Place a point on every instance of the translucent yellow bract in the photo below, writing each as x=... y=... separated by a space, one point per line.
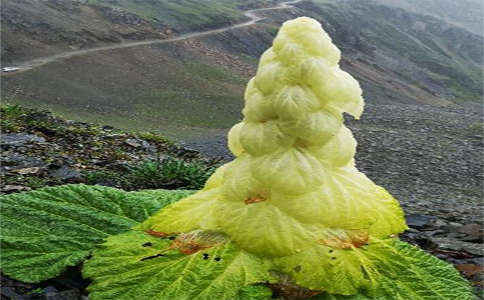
x=293 y=184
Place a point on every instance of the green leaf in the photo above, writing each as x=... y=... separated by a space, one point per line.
x=256 y=292
x=421 y=276
x=161 y=198
x=136 y=265
x=46 y=230
x=412 y=274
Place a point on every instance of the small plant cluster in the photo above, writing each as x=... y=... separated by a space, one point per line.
x=9 y=118
x=16 y=118
x=165 y=173
x=291 y=217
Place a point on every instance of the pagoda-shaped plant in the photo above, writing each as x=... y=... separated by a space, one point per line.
x=291 y=210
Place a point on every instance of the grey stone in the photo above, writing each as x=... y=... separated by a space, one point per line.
x=449 y=228
x=64 y=295
x=15 y=188
x=138 y=143
x=420 y=222
x=65 y=172
x=20 y=139
x=9 y=293
x=133 y=143
x=147 y=146
x=456 y=245
x=478 y=261
x=471 y=229
x=25 y=171
x=50 y=289
x=16 y=161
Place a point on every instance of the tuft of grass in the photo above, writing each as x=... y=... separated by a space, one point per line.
x=35 y=291
x=12 y=111
x=154 y=137
x=170 y=173
x=164 y=173
x=8 y=126
x=10 y=114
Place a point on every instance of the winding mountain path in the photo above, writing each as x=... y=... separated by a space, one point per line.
x=252 y=14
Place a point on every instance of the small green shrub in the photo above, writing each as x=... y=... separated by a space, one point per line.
x=478 y=292
x=8 y=125
x=9 y=115
x=165 y=173
x=170 y=173
x=11 y=111
x=35 y=291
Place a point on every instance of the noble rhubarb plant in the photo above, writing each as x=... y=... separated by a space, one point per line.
x=290 y=216
x=291 y=207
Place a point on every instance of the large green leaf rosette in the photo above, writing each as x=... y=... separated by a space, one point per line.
x=291 y=211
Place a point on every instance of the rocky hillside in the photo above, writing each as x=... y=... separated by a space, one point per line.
x=35 y=28
x=194 y=87
x=404 y=56
x=467 y=14
x=39 y=149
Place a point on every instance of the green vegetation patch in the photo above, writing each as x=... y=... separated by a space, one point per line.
x=165 y=173
x=45 y=231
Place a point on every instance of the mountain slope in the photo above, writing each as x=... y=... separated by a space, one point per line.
x=467 y=14
x=440 y=59
x=34 y=28
x=194 y=87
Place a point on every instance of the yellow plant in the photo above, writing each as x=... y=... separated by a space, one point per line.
x=291 y=210
x=293 y=183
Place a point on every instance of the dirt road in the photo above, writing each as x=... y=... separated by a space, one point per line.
x=252 y=14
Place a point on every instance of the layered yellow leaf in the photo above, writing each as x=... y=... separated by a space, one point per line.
x=293 y=180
